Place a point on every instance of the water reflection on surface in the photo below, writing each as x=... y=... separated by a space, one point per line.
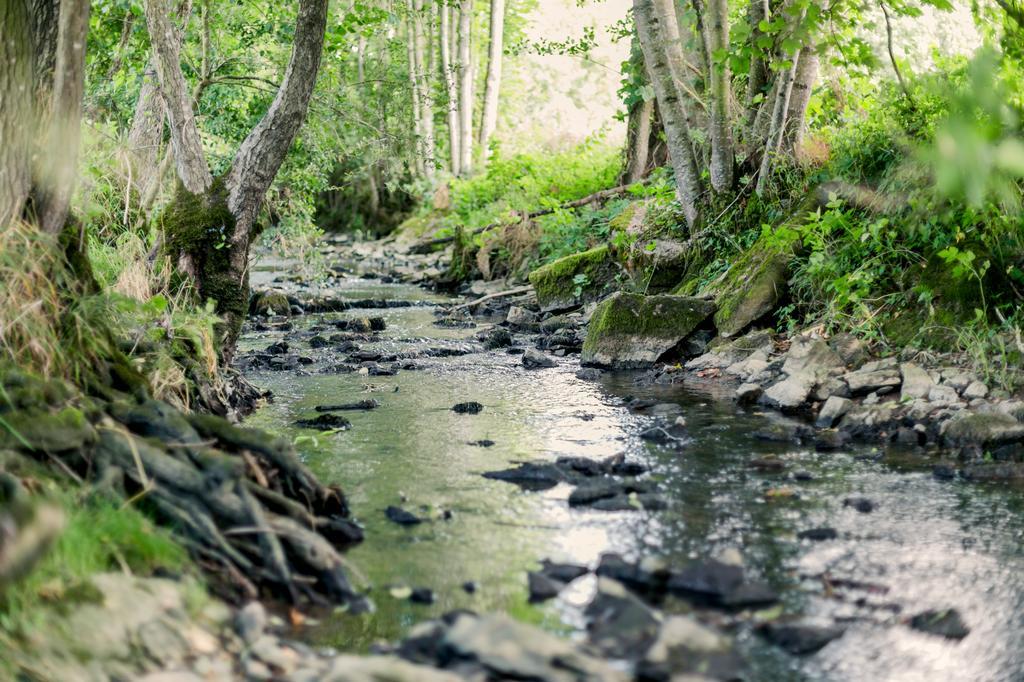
x=929 y=544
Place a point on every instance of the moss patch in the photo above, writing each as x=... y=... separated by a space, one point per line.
x=754 y=284
x=629 y=331
x=575 y=279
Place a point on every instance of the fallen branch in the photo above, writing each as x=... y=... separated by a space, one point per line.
x=603 y=195
x=489 y=297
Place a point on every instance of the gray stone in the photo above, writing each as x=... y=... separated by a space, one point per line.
x=852 y=350
x=347 y=668
x=945 y=395
x=790 y=393
x=916 y=382
x=534 y=359
x=748 y=393
x=520 y=318
x=864 y=380
x=620 y=625
x=629 y=331
x=982 y=429
x=975 y=390
x=251 y=621
x=812 y=356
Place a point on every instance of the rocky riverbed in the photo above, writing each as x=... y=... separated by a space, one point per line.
x=758 y=508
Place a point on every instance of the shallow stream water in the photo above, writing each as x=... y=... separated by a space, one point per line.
x=928 y=544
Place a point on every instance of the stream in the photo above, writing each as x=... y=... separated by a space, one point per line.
x=928 y=543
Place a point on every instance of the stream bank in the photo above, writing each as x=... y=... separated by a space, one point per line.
x=876 y=561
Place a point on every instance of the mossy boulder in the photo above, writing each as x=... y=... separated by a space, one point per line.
x=268 y=303
x=755 y=284
x=630 y=331
x=33 y=429
x=574 y=280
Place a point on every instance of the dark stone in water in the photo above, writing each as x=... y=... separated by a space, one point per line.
x=303 y=360
x=945 y=623
x=529 y=476
x=632 y=575
x=767 y=464
x=325 y=422
x=716 y=583
x=377 y=324
x=944 y=472
x=482 y=443
x=861 y=504
x=401 y=516
x=674 y=435
x=589 y=374
x=344 y=345
x=361 y=405
x=422 y=595
x=619 y=624
x=592 y=491
x=470 y=587
x=366 y=355
x=380 y=371
x=649 y=501
x=564 y=573
x=319 y=342
x=803 y=475
x=279 y=348
x=468 y=408
x=818 y=534
x=582 y=465
x=800 y=639
x=543 y=587
x=498 y=338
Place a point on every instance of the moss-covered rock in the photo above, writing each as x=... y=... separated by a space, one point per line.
x=574 y=280
x=755 y=284
x=60 y=431
x=268 y=303
x=629 y=331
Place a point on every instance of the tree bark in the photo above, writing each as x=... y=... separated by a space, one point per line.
x=414 y=89
x=492 y=90
x=722 y=148
x=454 y=136
x=193 y=170
x=424 y=90
x=652 y=34
x=796 y=114
x=465 y=86
x=780 y=108
x=16 y=110
x=757 y=74
x=638 y=142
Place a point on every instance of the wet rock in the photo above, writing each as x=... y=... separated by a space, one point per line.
x=483 y=443
x=422 y=595
x=251 y=621
x=370 y=404
x=589 y=374
x=852 y=350
x=630 y=331
x=530 y=476
x=508 y=649
x=830 y=439
x=269 y=303
x=557 y=323
x=818 y=534
x=325 y=422
x=975 y=390
x=945 y=623
x=748 y=393
x=630 y=502
x=686 y=646
x=982 y=429
x=565 y=573
x=470 y=587
x=861 y=504
x=832 y=411
x=717 y=583
x=917 y=383
x=598 y=489
x=319 y=342
x=800 y=639
x=990 y=471
x=468 y=408
x=767 y=464
x=278 y=348
x=582 y=465
x=533 y=359
x=811 y=357
x=521 y=318
x=497 y=338
x=619 y=624
x=401 y=516
x=784 y=431
x=789 y=394
x=574 y=280
x=663 y=433
x=944 y=395
x=543 y=587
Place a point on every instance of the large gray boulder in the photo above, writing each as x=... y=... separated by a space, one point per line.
x=630 y=331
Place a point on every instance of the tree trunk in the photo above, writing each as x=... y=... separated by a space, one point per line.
x=653 y=41
x=414 y=87
x=466 y=86
x=757 y=74
x=58 y=165
x=424 y=90
x=454 y=137
x=638 y=138
x=495 y=51
x=777 y=125
x=722 y=150
x=16 y=115
x=796 y=114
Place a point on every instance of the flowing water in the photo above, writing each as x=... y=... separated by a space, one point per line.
x=928 y=544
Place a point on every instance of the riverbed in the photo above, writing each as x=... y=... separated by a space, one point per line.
x=927 y=543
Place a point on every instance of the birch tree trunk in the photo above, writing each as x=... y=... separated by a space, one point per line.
x=651 y=30
x=796 y=114
x=757 y=74
x=777 y=125
x=638 y=142
x=466 y=95
x=414 y=86
x=424 y=87
x=447 y=67
x=495 y=51
x=722 y=149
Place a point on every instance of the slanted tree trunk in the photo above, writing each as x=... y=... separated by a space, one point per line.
x=492 y=90
x=796 y=114
x=451 y=87
x=465 y=86
x=210 y=225
x=651 y=29
x=777 y=125
x=638 y=138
